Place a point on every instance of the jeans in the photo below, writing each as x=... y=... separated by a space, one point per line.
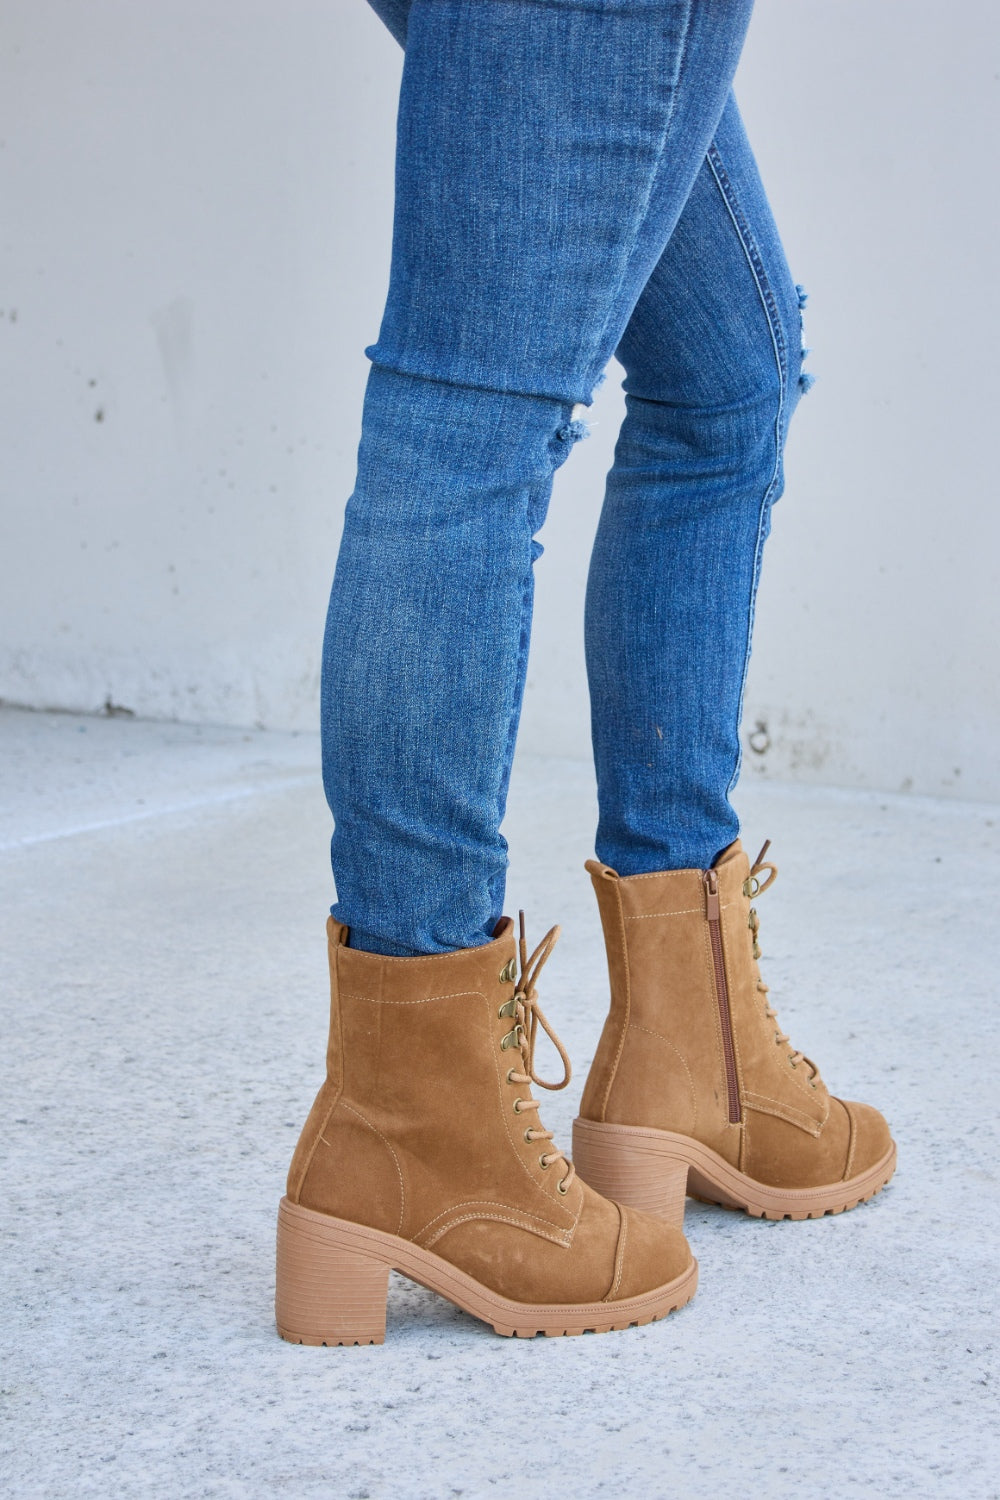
x=573 y=182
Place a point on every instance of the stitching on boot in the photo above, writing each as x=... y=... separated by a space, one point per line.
x=485 y=1203
x=634 y=1026
x=619 y=1253
x=783 y=1104
x=557 y=1239
x=684 y=911
x=803 y=1087
x=787 y=1112
x=395 y=1158
x=426 y=999
x=425 y=958
x=851 y=1140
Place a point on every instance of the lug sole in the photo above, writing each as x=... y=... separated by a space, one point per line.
x=654 y=1170
x=333 y=1277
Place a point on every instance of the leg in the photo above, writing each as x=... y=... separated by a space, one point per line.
x=528 y=220
x=693 y=1076
x=712 y=355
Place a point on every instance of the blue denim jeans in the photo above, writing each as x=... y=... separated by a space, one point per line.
x=572 y=182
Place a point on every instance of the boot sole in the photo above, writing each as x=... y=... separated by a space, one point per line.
x=654 y=1170
x=333 y=1278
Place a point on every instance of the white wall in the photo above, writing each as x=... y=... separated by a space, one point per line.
x=196 y=216
x=197 y=208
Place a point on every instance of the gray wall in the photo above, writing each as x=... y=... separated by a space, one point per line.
x=196 y=217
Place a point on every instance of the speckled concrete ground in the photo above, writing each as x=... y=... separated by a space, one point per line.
x=162 y=898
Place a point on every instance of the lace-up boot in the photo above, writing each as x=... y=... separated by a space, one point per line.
x=424 y=1153
x=695 y=1087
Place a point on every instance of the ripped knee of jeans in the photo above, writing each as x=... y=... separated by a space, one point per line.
x=806 y=378
x=576 y=428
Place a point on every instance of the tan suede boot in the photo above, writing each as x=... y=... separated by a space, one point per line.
x=694 y=1086
x=424 y=1153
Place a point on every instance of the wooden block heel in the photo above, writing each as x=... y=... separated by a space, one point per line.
x=627 y=1168
x=325 y=1292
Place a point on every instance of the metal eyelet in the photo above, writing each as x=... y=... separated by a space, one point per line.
x=508 y=1008
x=508 y=972
x=562 y=1187
x=517 y=1106
x=510 y=1075
x=528 y=1135
x=544 y=1162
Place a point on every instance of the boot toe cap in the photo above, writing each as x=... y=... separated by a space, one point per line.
x=854 y=1138
x=871 y=1141
x=651 y=1254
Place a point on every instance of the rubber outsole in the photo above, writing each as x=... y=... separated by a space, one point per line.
x=653 y=1170
x=333 y=1276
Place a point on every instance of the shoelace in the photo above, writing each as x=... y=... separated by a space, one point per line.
x=752 y=889
x=528 y=1016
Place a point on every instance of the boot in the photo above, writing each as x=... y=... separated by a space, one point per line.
x=424 y=1153
x=694 y=1084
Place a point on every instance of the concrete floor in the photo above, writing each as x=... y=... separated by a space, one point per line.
x=162 y=898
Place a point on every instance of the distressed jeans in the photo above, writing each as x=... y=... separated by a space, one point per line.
x=573 y=182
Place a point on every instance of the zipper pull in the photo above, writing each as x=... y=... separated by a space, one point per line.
x=711 y=880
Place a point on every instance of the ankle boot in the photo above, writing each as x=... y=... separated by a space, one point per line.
x=694 y=1085
x=424 y=1153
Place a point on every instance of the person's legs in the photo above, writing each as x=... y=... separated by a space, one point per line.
x=712 y=356
x=546 y=149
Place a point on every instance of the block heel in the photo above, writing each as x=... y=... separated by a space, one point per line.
x=325 y=1291
x=629 y=1168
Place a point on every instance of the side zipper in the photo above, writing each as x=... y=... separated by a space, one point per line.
x=713 y=917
